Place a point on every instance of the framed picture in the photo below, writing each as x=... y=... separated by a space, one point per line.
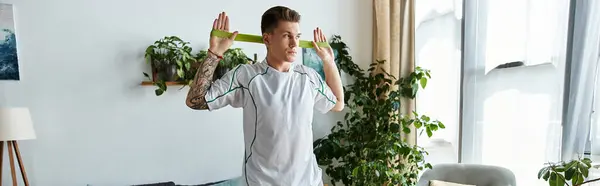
x=312 y=60
x=9 y=63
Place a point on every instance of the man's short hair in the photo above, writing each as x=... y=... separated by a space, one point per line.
x=273 y=15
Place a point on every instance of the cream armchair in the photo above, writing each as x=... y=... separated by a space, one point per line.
x=469 y=174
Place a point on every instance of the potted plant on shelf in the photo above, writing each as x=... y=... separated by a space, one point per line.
x=172 y=60
x=170 y=57
x=231 y=59
x=369 y=147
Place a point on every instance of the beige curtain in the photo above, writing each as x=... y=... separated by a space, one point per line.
x=394 y=38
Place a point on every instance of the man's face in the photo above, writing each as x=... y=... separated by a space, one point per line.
x=283 y=41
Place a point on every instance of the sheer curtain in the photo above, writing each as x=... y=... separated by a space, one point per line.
x=512 y=116
x=438 y=48
x=583 y=95
x=583 y=82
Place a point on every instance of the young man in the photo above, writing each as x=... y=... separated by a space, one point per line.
x=278 y=97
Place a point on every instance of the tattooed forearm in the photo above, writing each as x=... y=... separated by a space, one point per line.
x=202 y=81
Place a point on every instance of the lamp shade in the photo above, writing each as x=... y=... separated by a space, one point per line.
x=16 y=124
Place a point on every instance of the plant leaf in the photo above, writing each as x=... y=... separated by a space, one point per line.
x=428 y=165
x=441 y=125
x=433 y=127
x=571 y=164
x=542 y=172
x=546 y=176
x=559 y=169
x=423 y=82
x=180 y=73
x=577 y=179
x=417 y=124
x=587 y=161
x=555 y=180
x=569 y=173
x=158 y=92
x=585 y=172
x=406 y=130
x=395 y=127
x=415 y=87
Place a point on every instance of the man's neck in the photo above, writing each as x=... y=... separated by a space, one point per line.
x=278 y=65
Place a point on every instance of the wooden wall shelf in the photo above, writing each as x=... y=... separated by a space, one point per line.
x=169 y=83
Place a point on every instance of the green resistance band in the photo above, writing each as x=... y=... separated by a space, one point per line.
x=258 y=39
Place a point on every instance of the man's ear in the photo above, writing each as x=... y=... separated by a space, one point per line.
x=266 y=38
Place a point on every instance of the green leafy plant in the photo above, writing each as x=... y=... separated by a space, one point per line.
x=234 y=57
x=561 y=173
x=170 y=57
x=369 y=147
x=172 y=60
x=231 y=58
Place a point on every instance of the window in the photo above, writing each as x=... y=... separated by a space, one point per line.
x=528 y=31
x=438 y=48
x=511 y=117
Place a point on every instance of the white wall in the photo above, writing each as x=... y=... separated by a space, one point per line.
x=81 y=63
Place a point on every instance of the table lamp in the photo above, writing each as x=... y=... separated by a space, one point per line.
x=15 y=124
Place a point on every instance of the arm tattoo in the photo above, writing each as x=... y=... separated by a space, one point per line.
x=202 y=81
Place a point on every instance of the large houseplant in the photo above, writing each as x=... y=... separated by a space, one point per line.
x=369 y=146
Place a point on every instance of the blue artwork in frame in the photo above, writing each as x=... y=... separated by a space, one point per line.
x=9 y=63
x=312 y=60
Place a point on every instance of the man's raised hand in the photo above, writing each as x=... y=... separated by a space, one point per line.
x=219 y=45
x=325 y=53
